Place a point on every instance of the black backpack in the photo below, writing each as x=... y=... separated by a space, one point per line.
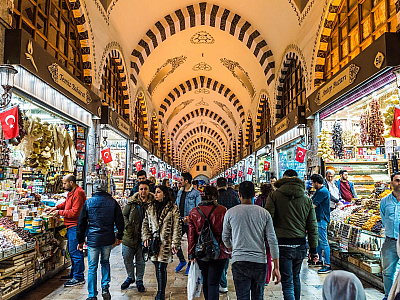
x=207 y=247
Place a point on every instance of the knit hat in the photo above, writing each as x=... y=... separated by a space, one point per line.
x=100 y=185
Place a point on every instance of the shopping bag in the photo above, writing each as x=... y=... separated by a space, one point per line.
x=194 y=281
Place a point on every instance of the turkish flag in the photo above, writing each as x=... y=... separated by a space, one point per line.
x=250 y=171
x=174 y=177
x=395 y=132
x=138 y=165
x=266 y=165
x=106 y=154
x=153 y=171
x=240 y=173
x=162 y=174
x=233 y=176
x=9 y=123
x=300 y=155
x=169 y=175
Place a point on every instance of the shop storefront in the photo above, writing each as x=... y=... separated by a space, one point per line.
x=140 y=158
x=263 y=160
x=51 y=117
x=356 y=112
x=115 y=135
x=289 y=137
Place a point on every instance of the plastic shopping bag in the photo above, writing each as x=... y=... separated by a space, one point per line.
x=194 y=281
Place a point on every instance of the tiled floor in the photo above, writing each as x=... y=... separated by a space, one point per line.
x=176 y=286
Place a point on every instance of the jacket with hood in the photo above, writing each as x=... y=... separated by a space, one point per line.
x=293 y=213
x=133 y=220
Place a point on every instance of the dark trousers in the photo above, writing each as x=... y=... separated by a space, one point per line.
x=249 y=277
x=77 y=258
x=211 y=272
x=185 y=229
x=290 y=261
x=161 y=274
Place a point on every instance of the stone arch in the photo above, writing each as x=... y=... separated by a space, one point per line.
x=249 y=131
x=197 y=83
x=190 y=150
x=204 y=14
x=82 y=27
x=154 y=130
x=206 y=130
x=140 y=113
x=263 y=112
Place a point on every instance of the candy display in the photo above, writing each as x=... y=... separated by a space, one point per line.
x=324 y=149
x=376 y=127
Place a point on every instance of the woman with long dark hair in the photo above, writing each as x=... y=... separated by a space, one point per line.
x=211 y=270
x=162 y=218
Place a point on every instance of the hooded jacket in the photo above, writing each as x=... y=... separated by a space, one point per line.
x=342 y=285
x=133 y=219
x=293 y=213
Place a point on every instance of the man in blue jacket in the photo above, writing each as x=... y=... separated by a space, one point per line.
x=322 y=201
x=98 y=216
x=187 y=199
x=346 y=188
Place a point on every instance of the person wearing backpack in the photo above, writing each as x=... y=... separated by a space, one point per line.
x=134 y=212
x=246 y=226
x=162 y=226
x=205 y=241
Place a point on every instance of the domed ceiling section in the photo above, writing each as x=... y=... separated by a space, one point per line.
x=204 y=67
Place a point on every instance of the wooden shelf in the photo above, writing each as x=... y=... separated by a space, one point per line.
x=16 y=271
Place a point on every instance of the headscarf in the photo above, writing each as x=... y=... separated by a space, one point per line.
x=342 y=285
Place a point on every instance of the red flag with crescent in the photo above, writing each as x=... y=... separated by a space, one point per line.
x=153 y=171
x=106 y=154
x=395 y=132
x=301 y=154
x=162 y=174
x=169 y=175
x=250 y=171
x=266 y=165
x=9 y=123
x=138 y=165
x=233 y=176
x=240 y=173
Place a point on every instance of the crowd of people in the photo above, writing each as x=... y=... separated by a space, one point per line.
x=263 y=239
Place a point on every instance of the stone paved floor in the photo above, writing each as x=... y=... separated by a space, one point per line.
x=176 y=287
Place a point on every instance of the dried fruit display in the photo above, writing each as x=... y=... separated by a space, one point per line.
x=337 y=140
x=324 y=149
x=363 y=129
x=376 y=126
x=349 y=139
x=388 y=114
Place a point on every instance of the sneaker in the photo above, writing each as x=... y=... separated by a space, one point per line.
x=74 y=282
x=325 y=270
x=187 y=270
x=127 y=283
x=223 y=290
x=180 y=266
x=140 y=287
x=66 y=277
x=106 y=294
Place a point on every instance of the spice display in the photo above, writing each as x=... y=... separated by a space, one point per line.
x=5 y=244
x=324 y=149
x=376 y=127
x=337 y=140
x=363 y=129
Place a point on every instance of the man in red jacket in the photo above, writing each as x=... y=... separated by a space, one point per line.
x=70 y=210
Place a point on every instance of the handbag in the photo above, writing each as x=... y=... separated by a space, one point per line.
x=154 y=241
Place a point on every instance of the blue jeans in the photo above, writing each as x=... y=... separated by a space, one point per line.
x=93 y=262
x=223 y=282
x=290 y=260
x=323 y=243
x=390 y=260
x=249 y=277
x=128 y=255
x=77 y=258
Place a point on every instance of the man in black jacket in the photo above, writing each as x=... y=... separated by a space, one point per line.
x=229 y=200
x=98 y=216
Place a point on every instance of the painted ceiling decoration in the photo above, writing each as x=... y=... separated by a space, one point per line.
x=184 y=127
x=204 y=14
x=207 y=139
x=164 y=71
x=227 y=111
x=205 y=130
x=201 y=82
x=202 y=103
x=202 y=91
x=202 y=66
x=179 y=108
x=202 y=38
x=240 y=74
x=202 y=112
x=199 y=147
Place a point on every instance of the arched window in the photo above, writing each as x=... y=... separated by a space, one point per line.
x=162 y=141
x=249 y=132
x=111 y=88
x=169 y=147
x=264 y=116
x=154 y=131
x=51 y=23
x=294 y=89
x=357 y=24
x=241 y=145
x=141 y=115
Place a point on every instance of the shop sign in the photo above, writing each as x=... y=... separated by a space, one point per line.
x=250 y=171
x=123 y=126
x=153 y=171
x=245 y=152
x=138 y=165
x=266 y=165
x=69 y=83
x=106 y=155
x=158 y=153
x=282 y=126
x=258 y=144
x=146 y=143
x=379 y=58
